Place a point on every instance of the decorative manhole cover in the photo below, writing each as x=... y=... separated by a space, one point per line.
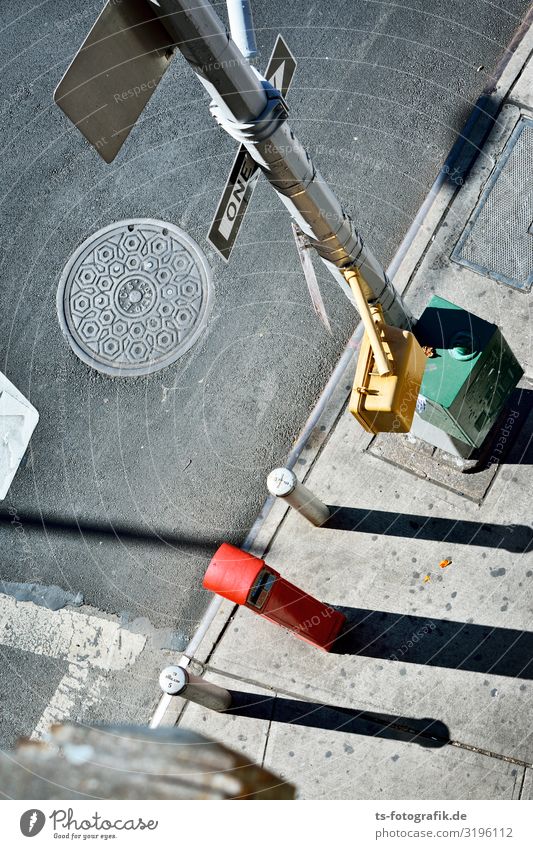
x=134 y=297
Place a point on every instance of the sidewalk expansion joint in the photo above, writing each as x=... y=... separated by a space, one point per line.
x=487 y=752
x=523 y=781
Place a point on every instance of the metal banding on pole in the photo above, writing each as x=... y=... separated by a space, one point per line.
x=177 y=681
x=284 y=484
x=253 y=112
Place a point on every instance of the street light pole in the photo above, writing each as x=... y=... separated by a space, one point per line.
x=254 y=113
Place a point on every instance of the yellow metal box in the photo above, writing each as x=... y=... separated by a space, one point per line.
x=384 y=404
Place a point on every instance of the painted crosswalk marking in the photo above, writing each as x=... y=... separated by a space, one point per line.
x=86 y=642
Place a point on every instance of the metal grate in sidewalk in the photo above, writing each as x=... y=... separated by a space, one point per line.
x=498 y=239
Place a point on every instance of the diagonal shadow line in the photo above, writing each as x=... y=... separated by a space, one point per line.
x=437 y=642
x=514 y=538
x=122 y=533
x=426 y=732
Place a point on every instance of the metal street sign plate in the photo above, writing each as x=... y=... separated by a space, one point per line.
x=310 y=277
x=114 y=74
x=234 y=202
x=281 y=66
x=244 y=172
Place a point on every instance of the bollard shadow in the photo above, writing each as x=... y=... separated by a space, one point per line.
x=429 y=733
x=514 y=538
x=436 y=642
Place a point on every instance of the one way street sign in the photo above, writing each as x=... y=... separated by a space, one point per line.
x=244 y=172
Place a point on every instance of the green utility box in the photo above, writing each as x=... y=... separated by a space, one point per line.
x=470 y=376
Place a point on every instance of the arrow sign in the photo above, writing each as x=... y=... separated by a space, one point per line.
x=281 y=67
x=245 y=172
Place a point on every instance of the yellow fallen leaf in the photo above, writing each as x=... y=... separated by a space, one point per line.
x=427 y=578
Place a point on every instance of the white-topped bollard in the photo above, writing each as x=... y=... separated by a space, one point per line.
x=284 y=484
x=177 y=681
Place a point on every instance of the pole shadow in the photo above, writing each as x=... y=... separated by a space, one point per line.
x=436 y=642
x=110 y=530
x=514 y=538
x=429 y=733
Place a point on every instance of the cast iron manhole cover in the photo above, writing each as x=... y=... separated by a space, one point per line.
x=498 y=240
x=134 y=297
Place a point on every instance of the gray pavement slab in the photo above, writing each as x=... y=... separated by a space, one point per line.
x=501 y=304
x=345 y=754
x=332 y=764
x=237 y=730
x=521 y=93
x=479 y=709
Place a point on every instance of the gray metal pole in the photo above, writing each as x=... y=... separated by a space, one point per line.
x=255 y=113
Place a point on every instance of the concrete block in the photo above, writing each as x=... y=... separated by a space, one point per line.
x=244 y=734
x=18 y=419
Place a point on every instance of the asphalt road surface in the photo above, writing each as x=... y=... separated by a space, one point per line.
x=131 y=483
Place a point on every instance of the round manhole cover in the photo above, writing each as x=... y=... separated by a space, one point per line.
x=134 y=297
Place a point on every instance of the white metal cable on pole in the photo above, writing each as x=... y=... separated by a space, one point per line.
x=241 y=24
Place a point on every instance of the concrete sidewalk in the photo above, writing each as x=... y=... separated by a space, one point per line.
x=429 y=696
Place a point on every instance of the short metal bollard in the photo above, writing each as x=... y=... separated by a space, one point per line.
x=284 y=484
x=177 y=681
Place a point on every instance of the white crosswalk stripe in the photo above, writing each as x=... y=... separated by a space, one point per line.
x=85 y=641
